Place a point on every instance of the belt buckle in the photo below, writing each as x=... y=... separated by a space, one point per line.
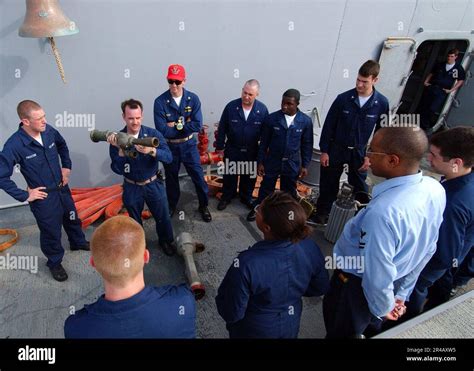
x=351 y=147
x=243 y=150
x=284 y=159
x=149 y=180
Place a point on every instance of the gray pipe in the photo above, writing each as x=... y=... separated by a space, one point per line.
x=186 y=247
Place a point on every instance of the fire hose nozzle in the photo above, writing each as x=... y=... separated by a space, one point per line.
x=186 y=247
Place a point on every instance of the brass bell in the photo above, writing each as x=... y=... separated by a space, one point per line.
x=44 y=18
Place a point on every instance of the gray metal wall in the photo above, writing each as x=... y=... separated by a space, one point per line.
x=462 y=115
x=124 y=47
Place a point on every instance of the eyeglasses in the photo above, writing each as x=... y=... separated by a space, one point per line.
x=370 y=152
x=176 y=82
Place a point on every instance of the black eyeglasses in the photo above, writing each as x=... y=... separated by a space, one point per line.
x=176 y=82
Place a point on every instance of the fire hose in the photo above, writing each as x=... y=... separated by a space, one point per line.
x=5 y=245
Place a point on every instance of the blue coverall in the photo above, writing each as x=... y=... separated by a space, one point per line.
x=165 y=110
x=434 y=96
x=456 y=240
x=284 y=151
x=154 y=313
x=260 y=296
x=41 y=166
x=243 y=136
x=140 y=169
x=344 y=138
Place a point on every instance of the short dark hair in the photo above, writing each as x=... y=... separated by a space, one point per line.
x=453 y=51
x=408 y=144
x=132 y=104
x=457 y=142
x=25 y=107
x=370 y=68
x=292 y=93
x=285 y=216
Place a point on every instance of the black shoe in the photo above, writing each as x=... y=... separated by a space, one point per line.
x=59 y=273
x=248 y=203
x=205 y=213
x=319 y=219
x=172 y=211
x=252 y=215
x=169 y=248
x=85 y=247
x=222 y=204
x=456 y=289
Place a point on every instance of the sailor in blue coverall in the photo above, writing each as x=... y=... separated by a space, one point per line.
x=445 y=78
x=43 y=159
x=452 y=155
x=241 y=123
x=285 y=150
x=153 y=313
x=348 y=126
x=178 y=116
x=260 y=296
x=465 y=272
x=142 y=181
x=129 y=308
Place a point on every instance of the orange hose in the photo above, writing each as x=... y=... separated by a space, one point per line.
x=91 y=203
x=76 y=191
x=113 y=208
x=94 y=206
x=86 y=203
x=91 y=219
x=5 y=245
x=82 y=196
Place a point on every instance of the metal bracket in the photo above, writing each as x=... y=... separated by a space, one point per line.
x=387 y=45
x=315 y=116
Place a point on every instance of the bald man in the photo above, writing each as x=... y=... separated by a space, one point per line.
x=392 y=239
x=241 y=124
x=129 y=309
